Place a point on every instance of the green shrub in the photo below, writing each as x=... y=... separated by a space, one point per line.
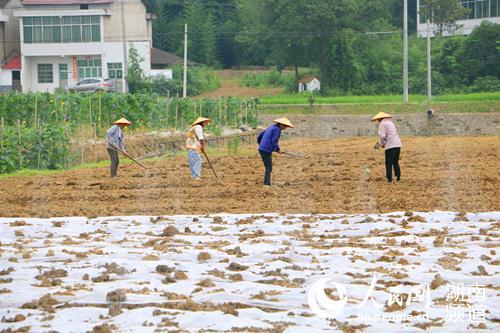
x=268 y=79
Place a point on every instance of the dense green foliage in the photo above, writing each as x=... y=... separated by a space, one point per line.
x=43 y=147
x=267 y=79
x=38 y=128
x=355 y=46
x=200 y=79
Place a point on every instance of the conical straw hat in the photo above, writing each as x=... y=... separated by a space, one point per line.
x=283 y=121
x=122 y=121
x=381 y=115
x=199 y=120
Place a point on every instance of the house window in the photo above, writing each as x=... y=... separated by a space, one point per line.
x=65 y=29
x=45 y=73
x=115 y=70
x=89 y=67
x=63 y=71
x=84 y=6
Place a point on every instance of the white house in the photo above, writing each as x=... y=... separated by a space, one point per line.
x=480 y=10
x=309 y=83
x=10 y=66
x=64 y=41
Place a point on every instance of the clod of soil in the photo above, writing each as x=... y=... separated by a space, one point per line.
x=17 y=318
x=104 y=328
x=170 y=231
x=118 y=295
x=202 y=256
x=206 y=283
x=234 y=266
x=115 y=309
x=179 y=275
x=45 y=303
x=115 y=268
x=164 y=269
x=437 y=282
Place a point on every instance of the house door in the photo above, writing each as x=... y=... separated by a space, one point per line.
x=16 y=80
x=63 y=76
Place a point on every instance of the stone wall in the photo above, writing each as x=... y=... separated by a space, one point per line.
x=324 y=126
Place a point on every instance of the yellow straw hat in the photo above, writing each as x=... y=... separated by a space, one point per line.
x=122 y=121
x=283 y=121
x=199 y=120
x=381 y=115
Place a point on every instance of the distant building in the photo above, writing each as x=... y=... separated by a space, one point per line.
x=51 y=44
x=309 y=83
x=480 y=10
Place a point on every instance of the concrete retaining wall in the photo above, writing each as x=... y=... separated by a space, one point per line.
x=324 y=126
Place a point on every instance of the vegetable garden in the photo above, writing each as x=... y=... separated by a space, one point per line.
x=37 y=130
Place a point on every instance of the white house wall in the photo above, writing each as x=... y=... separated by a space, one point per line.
x=110 y=49
x=313 y=85
x=466 y=26
x=55 y=54
x=11 y=26
x=5 y=78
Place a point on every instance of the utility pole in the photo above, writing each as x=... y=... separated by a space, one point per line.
x=405 y=52
x=429 y=72
x=184 y=83
x=125 y=56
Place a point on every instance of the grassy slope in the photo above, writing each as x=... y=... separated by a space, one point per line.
x=302 y=99
x=451 y=107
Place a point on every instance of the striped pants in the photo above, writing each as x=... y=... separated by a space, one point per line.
x=195 y=161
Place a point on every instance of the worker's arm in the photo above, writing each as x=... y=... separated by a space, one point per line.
x=274 y=141
x=382 y=133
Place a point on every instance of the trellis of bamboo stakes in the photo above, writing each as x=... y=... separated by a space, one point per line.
x=82 y=129
x=1 y=134
x=19 y=144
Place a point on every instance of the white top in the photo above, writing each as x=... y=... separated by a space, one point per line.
x=194 y=136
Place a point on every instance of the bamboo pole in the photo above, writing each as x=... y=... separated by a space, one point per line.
x=95 y=141
x=225 y=112
x=1 y=134
x=246 y=114
x=176 y=115
x=166 y=120
x=19 y=144
x=39 y=157
x=36 y=110
x=100 y=111
x=81 y=133
x=220 y=113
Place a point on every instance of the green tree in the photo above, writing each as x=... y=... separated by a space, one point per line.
x=443 y=14
x=201 y=33
x=479 y=55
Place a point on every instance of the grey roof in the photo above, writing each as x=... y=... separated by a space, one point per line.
x=160 y=57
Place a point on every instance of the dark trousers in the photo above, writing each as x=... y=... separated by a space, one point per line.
x=392 y=159
x=267 y=158
x=113 y=156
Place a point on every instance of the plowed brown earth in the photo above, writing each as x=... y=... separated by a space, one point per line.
x=340 y=175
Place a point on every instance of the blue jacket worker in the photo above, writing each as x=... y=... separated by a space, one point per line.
x=268 y=143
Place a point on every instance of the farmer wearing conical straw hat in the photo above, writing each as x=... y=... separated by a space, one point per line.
x=195 y=144
x=268 y=143
x=390 y=141
x=114 y=142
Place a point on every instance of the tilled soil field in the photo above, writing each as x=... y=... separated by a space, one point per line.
x=340 y=176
